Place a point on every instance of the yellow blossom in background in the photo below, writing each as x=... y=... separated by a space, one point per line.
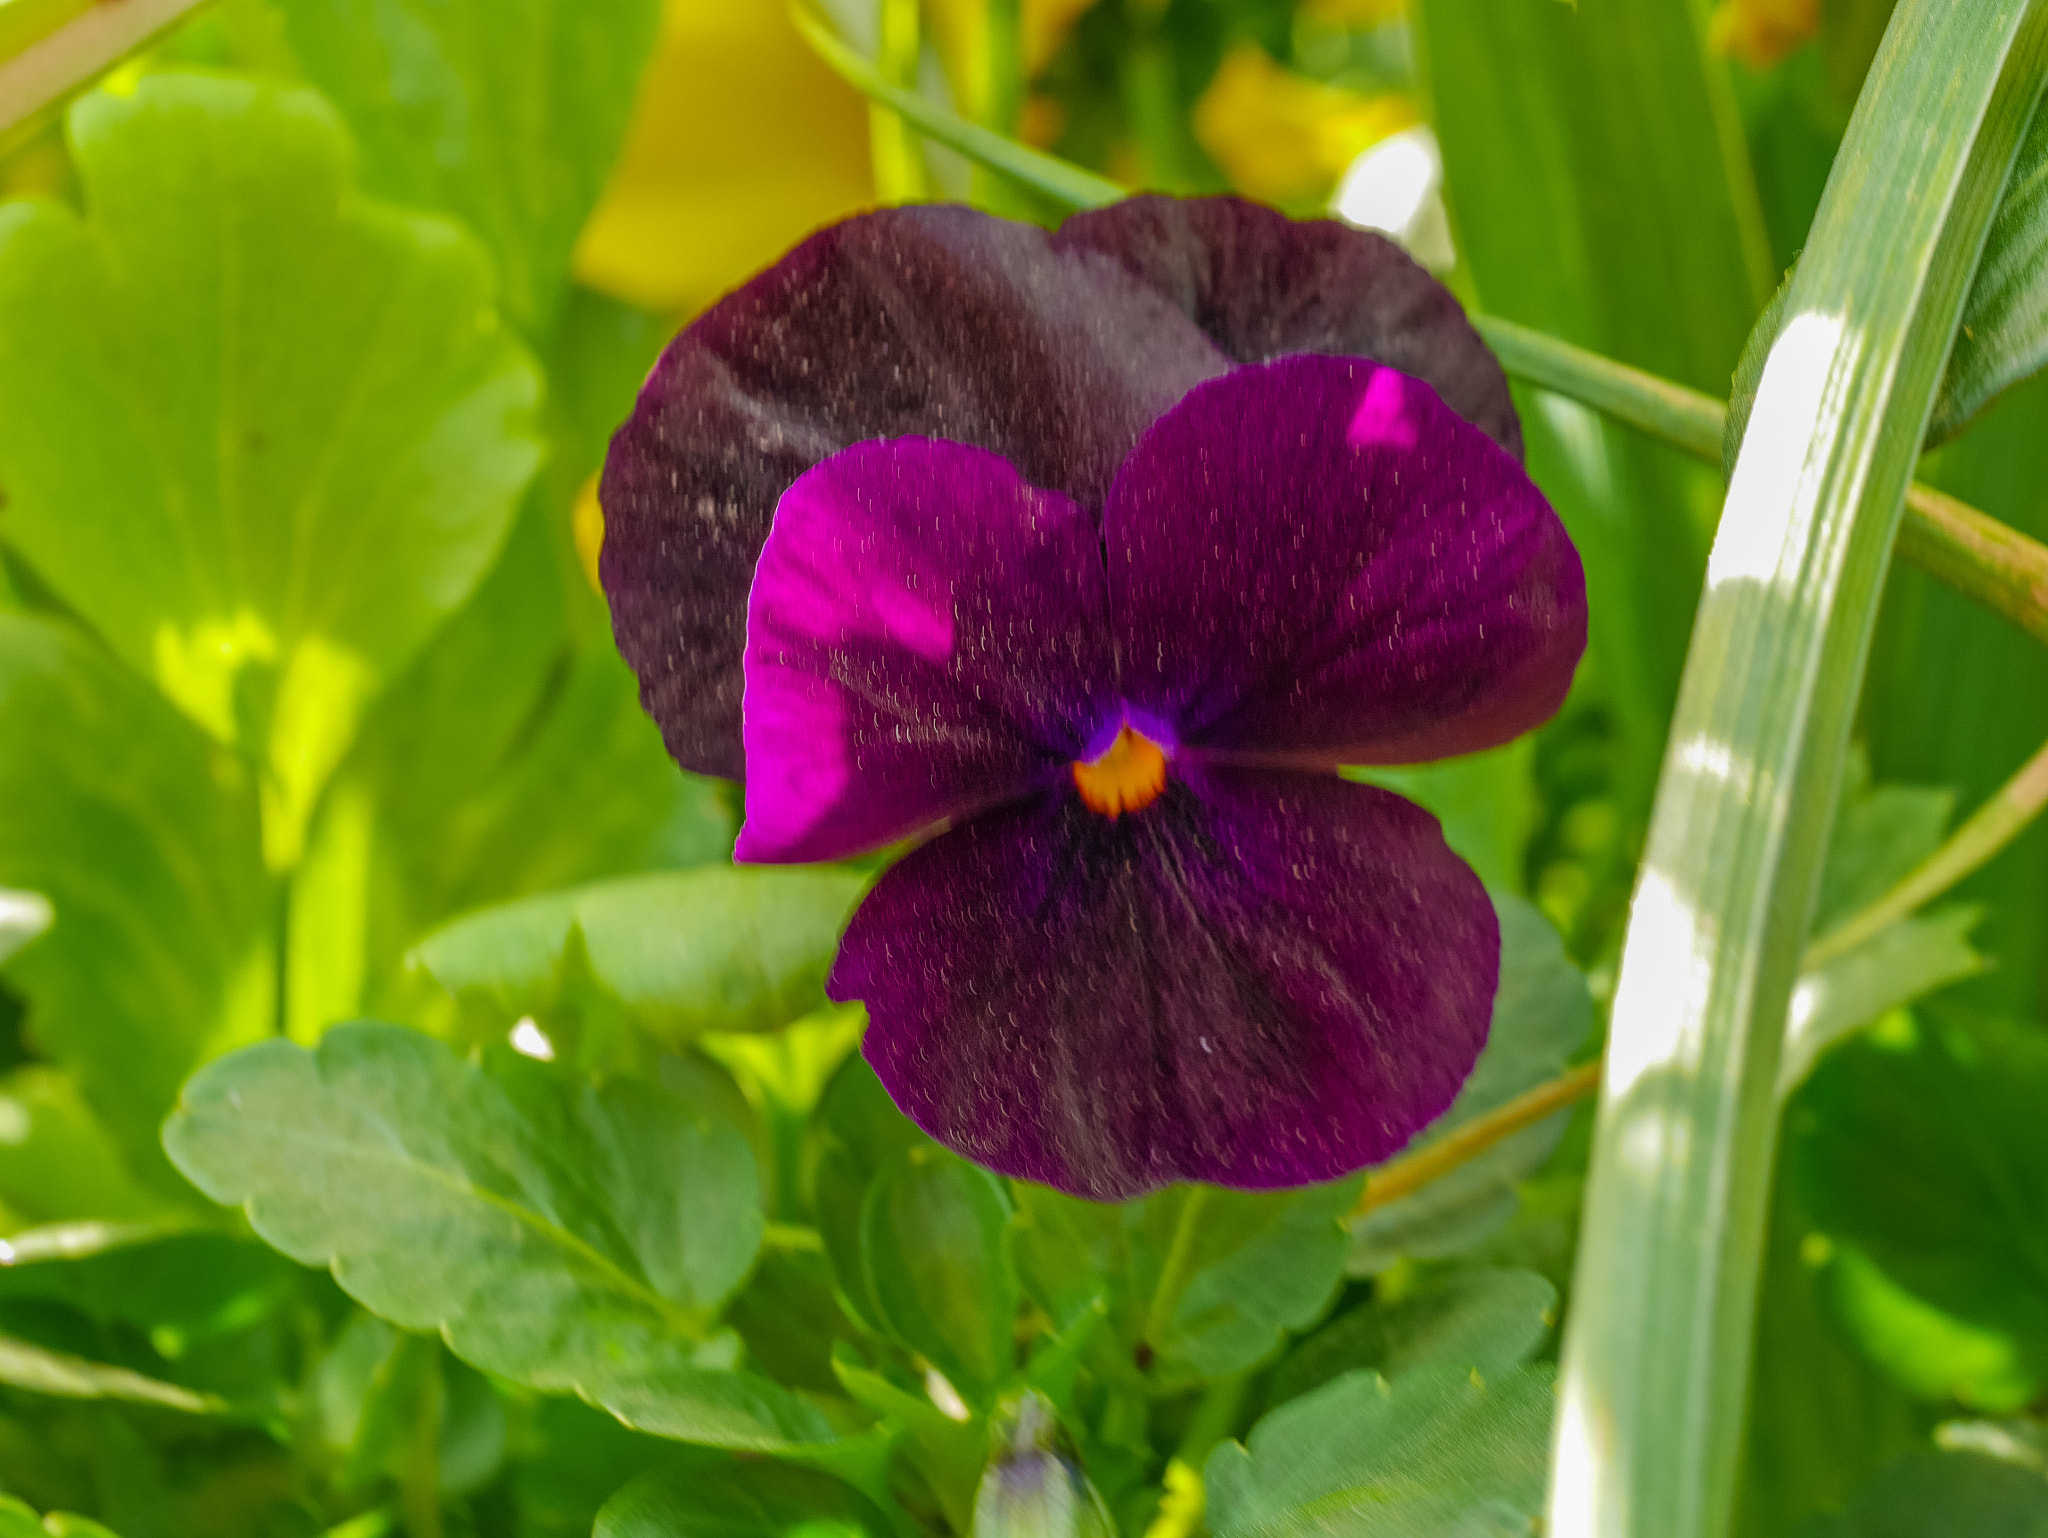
x=1283 y=138
x=742 y=143
x=1761 y=32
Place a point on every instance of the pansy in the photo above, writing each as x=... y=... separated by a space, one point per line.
x=1086 y=558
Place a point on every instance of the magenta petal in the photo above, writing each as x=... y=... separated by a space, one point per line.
x=1315 y=561
x=1262 y=286
x=925 y=638
x=1264 y=979
x=930 y=321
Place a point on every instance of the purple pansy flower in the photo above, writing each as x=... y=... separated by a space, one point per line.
x=1099 y=551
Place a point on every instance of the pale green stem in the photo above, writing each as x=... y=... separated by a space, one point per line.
x=1178 y=1255
x=77 y=53
x=898 y=151
x=1405 y=1175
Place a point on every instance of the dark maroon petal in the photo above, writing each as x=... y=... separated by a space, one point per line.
x=1316 y=561
x=925 y=638
x=1263 y=979
x=1263 y=286
x=927 y=321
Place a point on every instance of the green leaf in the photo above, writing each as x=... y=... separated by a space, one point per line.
x=2004 y=335
x=1655 y=1353
x=19 y=1521
x=507 y=113
x=58 y=1162
x=508 y=1210
x=146 y=845
x=1439 y=1451
x=859 y=1132
x=1945 y=1495
x=181 y=1289
x=1483 y=1321
x=38 y=1370
x=1918 y=1152
x=23 y=916
x=1880 y=834
x=700 y=1498
x=1201 y=1283
x=261 y=432
x=1540 y=1017
x=717 y=949
x=932 y=1245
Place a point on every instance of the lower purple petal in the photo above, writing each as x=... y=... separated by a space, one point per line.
x=1264 y=979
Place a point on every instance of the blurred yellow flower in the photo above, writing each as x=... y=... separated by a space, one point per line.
x=742 y=143
x=1283 y=138
x=1761 y=32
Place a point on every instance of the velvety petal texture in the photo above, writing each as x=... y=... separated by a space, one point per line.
x=1265 y=979
x=1262 y=286
x=926 y=638
x=931 y=321
x=1315 y=561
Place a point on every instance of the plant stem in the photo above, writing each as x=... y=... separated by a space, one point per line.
x=1951 y=541
x=1178 y=1255
x=898 y=150
x=1989 y=829
x=1408 y=1173
x=78 y=52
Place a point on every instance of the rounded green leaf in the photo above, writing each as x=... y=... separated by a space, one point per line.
x=729 y=1499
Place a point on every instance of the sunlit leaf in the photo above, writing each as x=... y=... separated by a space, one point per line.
x=38 y=1370
x=509 y=1211
x=146 y=844
x=1917 y=1149
x=1540 y=1017
x=722 y=948
x=1439 y=1451
x=263 y=433
x=506 y=113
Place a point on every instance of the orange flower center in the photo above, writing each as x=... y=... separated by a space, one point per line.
x=1127 y=778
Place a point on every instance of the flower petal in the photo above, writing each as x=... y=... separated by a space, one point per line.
x=1263 y=286
x=925 y=638
x=1315 y=561
x=931 y=320
x=1267 y=978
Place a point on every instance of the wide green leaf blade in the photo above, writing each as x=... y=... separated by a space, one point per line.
x=1945 y=1495
x=145 y=844
x=1441 y=1451
x=262 y=433
x=518 y=1215
x=699 y=1498
x=1918 y=1151
x=718 y=949
x=1656 y=1349
x=1541 y=1015
x=506 y=113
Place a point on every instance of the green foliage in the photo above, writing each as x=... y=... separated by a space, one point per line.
x=719 y=949
x=1933 y=1495
x=507 y=113
x=1917 y=1149
x=728 y=1499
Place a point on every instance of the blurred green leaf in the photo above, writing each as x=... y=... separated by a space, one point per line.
x=947 y=1451
x=1917 y=1149
x=1594 y=173
x=506 y=1209
x=1438 y=1451
x=146 y=845
x=180 y=1289
x=699 y=1498
x=19 y=1521
x=1201 y=1283
x=1484 y=1321
x=59 y=1164
x=1947 y=1495
x=1540 y=1017
x=932 y=1246
x=1911 y=958
x=264 y=434
x=717 y=949
x=859 y=1131
x=24 y=1365
x=1881 y=832
x=507 y=113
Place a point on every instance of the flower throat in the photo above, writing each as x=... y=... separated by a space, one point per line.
x=1128 y=777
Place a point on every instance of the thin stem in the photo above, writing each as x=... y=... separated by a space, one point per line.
x=1178 y=1254
x=791 y=1236
x=1990 y=828
x=898 y=151
x=1406 y=1175
x=78 y=52
x=1951 y=541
